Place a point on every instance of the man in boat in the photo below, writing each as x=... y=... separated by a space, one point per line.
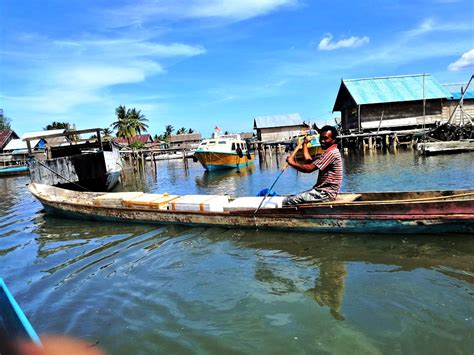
x=329 y=165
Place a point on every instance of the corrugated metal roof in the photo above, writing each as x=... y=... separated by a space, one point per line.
x=5 y=135
x=455 y=90
x=189 y=137
x=392 y=89
x=292 y=119
x=15 y=144
x=42 y=133
x=467 y=95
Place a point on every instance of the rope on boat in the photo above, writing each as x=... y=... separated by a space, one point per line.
x=58 y=174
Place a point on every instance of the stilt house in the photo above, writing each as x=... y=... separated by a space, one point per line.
x=278 y=127
x=391 y=103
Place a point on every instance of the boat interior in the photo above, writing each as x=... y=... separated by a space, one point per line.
x=165 y=201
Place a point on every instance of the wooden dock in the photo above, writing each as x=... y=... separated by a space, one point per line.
x=430 y=148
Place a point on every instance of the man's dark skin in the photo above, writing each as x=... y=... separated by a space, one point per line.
x=325 y=139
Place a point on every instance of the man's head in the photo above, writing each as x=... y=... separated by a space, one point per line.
x=327 y=136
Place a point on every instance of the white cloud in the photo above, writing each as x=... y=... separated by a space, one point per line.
x=147 y=10
x=465 y=62
x=327 y=44
x=63 y=74
x=430 y=25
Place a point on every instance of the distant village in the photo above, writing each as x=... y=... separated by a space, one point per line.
x=374 y=112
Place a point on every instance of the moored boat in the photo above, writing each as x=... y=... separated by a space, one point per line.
x=91 y=165
x=375 y=212
x=223 y=152
x=14 y=170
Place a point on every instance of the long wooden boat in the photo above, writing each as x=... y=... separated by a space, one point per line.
x=13 y=322
x=14 y=171
x=383 y=212
x=223 y=152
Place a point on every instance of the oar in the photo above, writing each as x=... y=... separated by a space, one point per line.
x=281 y=173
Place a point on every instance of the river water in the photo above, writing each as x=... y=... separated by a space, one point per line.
x=131 y=288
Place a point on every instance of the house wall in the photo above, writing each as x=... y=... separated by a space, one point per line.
x=460 y=116
x=185 y=144
x=395 y=114
x=277 y=133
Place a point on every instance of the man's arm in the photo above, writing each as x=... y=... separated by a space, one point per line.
x=304 y=168
x=307 y=157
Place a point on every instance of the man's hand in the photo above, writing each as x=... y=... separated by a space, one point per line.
x=290 y=159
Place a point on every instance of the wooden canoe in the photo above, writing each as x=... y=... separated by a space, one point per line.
x=371 y=212
x=13 y=322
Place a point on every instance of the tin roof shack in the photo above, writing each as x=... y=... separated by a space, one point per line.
x=185 y=141
x=5 y=137
x=278 y=127
x=461 y=105
x=391 y=103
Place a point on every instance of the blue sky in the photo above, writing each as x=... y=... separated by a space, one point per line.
x=202 y=63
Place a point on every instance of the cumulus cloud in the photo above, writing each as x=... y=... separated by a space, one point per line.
x=327 y=44
x=465 y=62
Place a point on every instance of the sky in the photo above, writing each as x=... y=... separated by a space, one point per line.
x=205 y=63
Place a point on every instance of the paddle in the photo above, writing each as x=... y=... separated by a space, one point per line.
x=281 y=173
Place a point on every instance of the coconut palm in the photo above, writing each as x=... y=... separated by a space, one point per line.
x=107 y=132
x=137 y=121
x=190 y=131
x=182 y=130
x=130 y=122
x=169 y=130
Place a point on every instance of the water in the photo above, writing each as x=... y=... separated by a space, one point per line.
x=173 y=289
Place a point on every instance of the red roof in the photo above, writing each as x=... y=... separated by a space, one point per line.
x=144 y=138
x=5 y=137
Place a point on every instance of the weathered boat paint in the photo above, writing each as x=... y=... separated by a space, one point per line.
x=212 y=161
x=14 y=171
x=414 y=215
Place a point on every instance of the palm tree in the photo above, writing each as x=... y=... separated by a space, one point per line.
x=190 y=131
x=137 y=121
x=130 y=122
x=121 y=125
x=182 y=130
x=57 y=125
x=169 y=130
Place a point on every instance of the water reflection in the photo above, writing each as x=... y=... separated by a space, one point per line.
x=225 y=180
x=331 y=255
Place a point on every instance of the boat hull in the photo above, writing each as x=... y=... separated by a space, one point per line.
x=14 y=171
x=438 y=216
x=212 y=161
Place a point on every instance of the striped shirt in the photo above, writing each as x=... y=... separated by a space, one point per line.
x=330 y=171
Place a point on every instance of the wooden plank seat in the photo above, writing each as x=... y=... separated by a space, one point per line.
x=345 y=198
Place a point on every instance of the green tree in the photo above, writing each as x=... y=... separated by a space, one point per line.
x=130 y=122
x=107 y=132
x=190 y=131
x=57 y=125
x=182 y=130
x=169 y=129
x=137 y=121
x=4 y=122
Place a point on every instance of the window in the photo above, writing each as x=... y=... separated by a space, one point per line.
x=233 y=146
x=221 y=142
